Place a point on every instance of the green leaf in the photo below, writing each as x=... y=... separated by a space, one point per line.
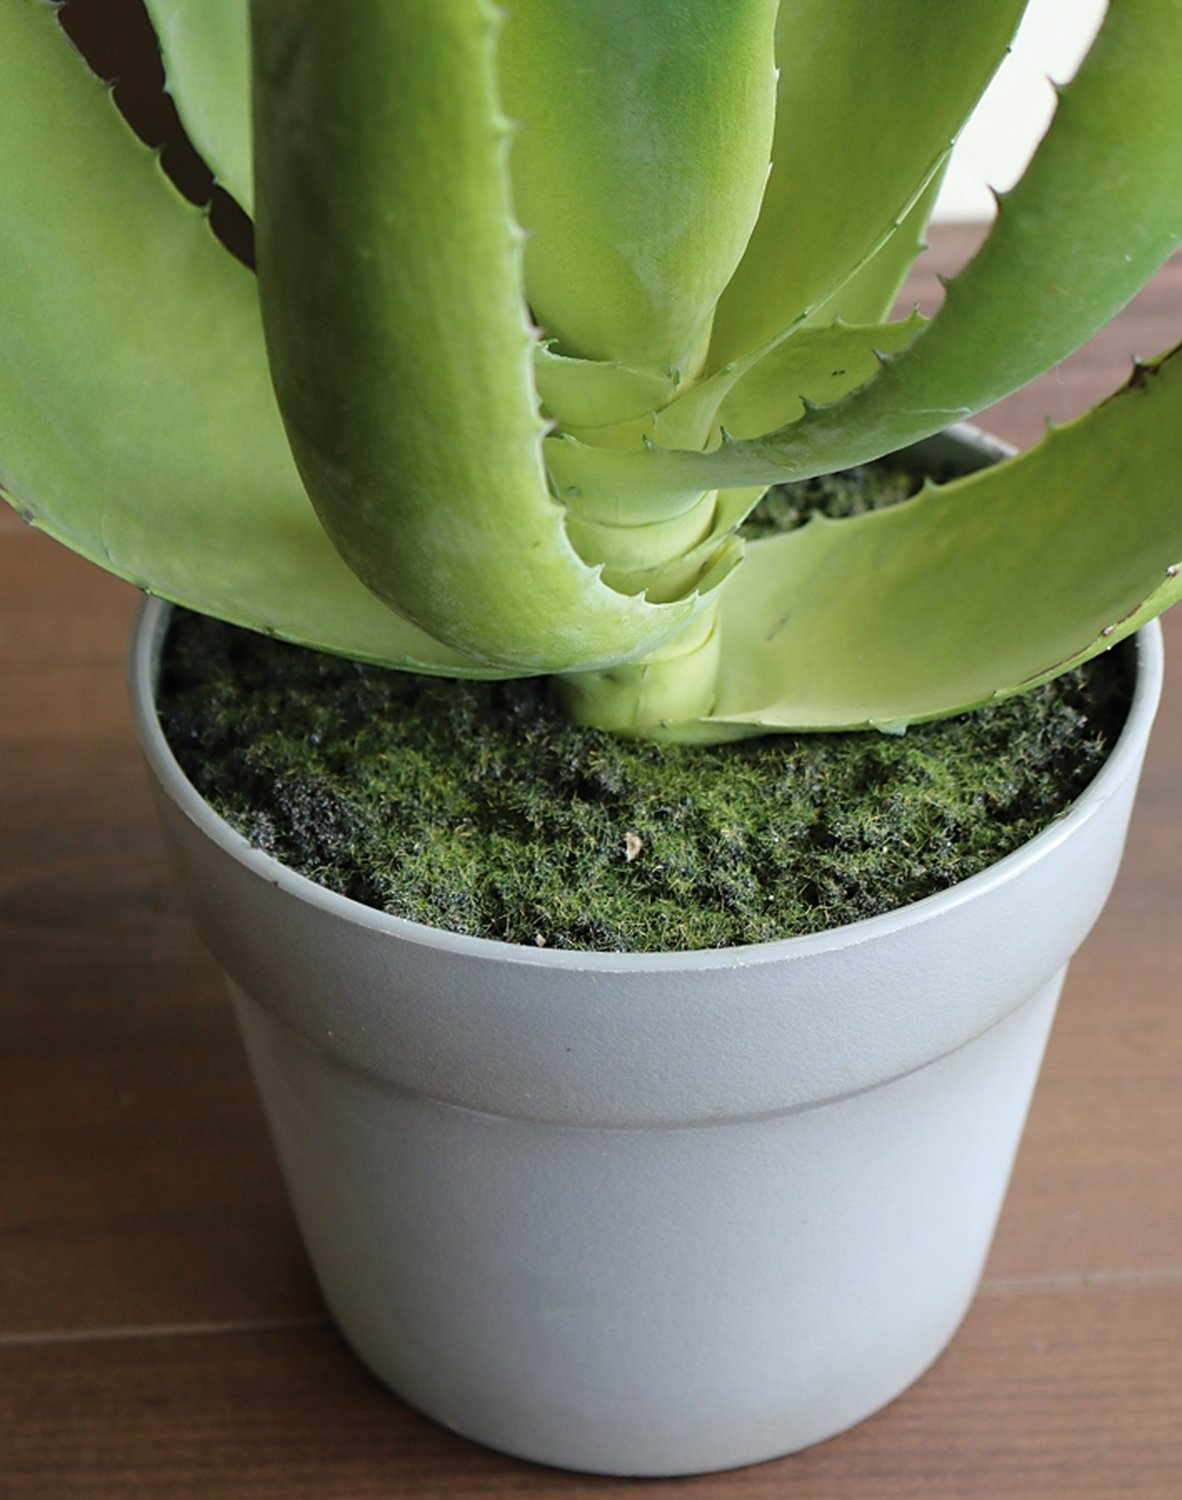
x=869 y=294
x=406 y=378
x=594 y=393
x=137 y=423
x=1098 y=211
x=608 y=481
x=869 y=99
x=968 y=592
x=639 y=164
x=205 y=48
x=813 y=365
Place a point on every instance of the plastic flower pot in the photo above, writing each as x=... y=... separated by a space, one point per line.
x=651 y=1214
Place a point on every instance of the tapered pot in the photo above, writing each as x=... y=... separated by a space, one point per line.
x=650 y=1214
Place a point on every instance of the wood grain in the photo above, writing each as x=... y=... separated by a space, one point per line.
x=160 y=1334
x=1021 y=1406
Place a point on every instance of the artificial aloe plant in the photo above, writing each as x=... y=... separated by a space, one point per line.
x=547 y=294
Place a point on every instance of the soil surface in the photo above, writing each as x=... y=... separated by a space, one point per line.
x=475 y=807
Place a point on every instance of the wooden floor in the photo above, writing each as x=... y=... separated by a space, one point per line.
x=160 y=1333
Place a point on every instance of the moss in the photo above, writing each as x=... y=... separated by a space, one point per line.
x=851 y=492
x=474 y=807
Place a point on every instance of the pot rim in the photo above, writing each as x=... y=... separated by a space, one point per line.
x=143 y=665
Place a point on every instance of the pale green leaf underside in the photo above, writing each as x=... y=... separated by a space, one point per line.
x=204 y=45
x=968 y=592
x=137 y=423
x=869 y=99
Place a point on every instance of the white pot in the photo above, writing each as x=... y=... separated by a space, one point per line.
x=650 y=1214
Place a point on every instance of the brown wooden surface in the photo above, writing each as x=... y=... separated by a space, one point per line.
x=160 y=1334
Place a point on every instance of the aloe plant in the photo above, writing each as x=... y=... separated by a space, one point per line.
x=547 y=295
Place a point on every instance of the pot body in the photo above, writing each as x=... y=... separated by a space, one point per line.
x=650 y=1214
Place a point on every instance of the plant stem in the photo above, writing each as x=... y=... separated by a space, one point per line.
x=676 y=685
